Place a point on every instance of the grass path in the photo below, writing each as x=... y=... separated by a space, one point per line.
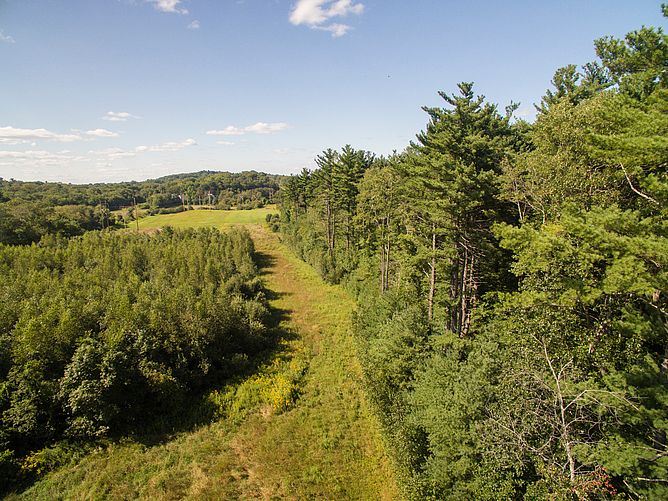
x=326 y=446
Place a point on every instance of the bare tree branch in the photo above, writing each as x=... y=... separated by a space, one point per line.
x=646 y=197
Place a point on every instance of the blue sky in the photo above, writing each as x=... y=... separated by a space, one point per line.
x=111 y=90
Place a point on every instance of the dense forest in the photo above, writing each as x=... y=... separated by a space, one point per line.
x=113 y=333
x=29 y=210
x=512 y=281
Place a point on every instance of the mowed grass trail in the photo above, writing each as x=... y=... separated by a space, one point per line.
x=328 y=446
x=325 y=445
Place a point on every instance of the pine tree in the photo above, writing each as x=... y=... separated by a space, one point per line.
x=380 y=213
x=454 y=172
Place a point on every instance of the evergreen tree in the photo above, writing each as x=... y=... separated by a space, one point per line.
x=455 y=168
x=380 y=214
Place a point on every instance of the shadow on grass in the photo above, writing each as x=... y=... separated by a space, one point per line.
x=195 y=410
x=191 y=409
x=264 y=262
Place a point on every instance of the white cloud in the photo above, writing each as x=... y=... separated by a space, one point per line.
x=257 y=128
x=194 y=25
x=12 y=135
x=113 y=153
x=39 y=157
x=6 y=38
x=169 y=146
x=230 y=130
x=337 y=30
x=225 y=143
x=316 y=14
x=118 y=116
x=265 y=128
x=345 y=7
x=525 y=112
x=101 y=133
x=171 y=6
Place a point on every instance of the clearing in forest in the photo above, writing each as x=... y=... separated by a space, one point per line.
x=322 y=444
x=205 y=218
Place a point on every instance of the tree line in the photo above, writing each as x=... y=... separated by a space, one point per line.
x=29 y=210
x=512 y=281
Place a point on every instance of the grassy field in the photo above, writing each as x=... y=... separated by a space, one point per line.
x=301 y=428
x=202 y=218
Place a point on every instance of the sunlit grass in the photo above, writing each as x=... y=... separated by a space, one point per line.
x=205 y=218
x=325 y=444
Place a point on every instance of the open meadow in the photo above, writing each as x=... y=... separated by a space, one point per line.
x=206 y=218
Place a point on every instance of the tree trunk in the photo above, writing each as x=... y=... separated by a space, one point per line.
x=382 y=267
x=387 y=264
x=469 y=296
x=330 y=229
x=454 y=288
x=432 y=277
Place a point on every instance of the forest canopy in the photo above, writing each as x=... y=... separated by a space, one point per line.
x=512 y=281
x=101 y=335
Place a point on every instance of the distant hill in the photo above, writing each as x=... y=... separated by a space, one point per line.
x=30 y=209
x=116 y=195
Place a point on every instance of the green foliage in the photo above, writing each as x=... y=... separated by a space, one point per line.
x=636 y=64
x=107 y=332
x=511 y=278
x=324 y=444
x=273 y=221
x=516 y=346
x=320 y=210
x=29 y=210
x=277 y=388
x=456 y=167
x=575 y=87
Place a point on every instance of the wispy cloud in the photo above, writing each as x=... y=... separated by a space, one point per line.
x=257 y=128
x=171 y=6
x=169 y=146
x=225 y=143
x=230 y=130
x=113 y=153
x=317 y=14
x=337 y=30
x=6 y=38
x=12 y=135
x=118 y=116
x=40 y=157
x=194 y=25
x=266 y=128
x=525 y=112
x=101 y=133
